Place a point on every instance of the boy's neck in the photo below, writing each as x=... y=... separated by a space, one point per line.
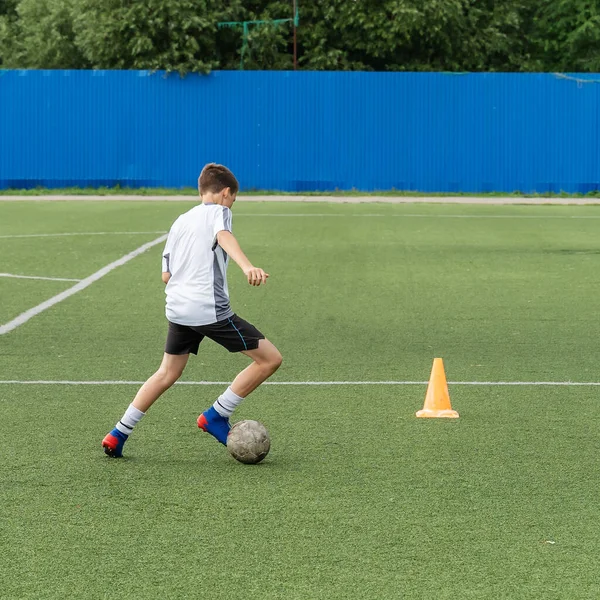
x=212 y=198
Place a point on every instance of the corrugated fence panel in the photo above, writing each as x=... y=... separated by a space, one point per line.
x=301 y=131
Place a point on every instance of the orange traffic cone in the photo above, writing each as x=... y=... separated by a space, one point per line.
x=437 y=400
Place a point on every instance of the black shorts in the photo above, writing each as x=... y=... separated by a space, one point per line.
x=234 y=333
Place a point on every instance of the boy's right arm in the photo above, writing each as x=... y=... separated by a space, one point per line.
x=166 y=256
x=227 y=241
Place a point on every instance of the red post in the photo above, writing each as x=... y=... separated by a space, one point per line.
x=295 y=42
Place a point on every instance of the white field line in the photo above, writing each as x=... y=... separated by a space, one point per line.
x=35 y=277
x=417 y=216
x=42 y=235
x=36 y=310
x=315 y=383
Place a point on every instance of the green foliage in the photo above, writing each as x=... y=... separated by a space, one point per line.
x=266 y=42
x=157 y=34
x=567 y=37
x=8 y=19
x=8 y=7
x=371 y=35
x=42 y=36
x=410 y=35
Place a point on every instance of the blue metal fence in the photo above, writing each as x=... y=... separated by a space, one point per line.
x=301 y=131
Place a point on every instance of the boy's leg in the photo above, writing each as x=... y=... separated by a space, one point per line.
x=168 y=373
x=266 y=359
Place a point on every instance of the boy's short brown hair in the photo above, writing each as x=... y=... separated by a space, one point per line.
x=215 y=178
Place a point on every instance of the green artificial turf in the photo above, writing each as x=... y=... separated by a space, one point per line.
x=358 y=498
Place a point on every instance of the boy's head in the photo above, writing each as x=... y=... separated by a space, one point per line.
x=217 y=180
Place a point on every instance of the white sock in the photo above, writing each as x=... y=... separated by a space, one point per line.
x=227 y=403
x=129 y=419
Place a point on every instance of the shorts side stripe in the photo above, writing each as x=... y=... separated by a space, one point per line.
x=241 y=336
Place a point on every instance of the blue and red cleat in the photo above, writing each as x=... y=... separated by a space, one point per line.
x=212 y=422
x=113 y=443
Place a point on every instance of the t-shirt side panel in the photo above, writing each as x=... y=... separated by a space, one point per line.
x=221 y=222
x=167 y=254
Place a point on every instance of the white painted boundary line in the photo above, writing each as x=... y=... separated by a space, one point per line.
x=484 y=383
x=42 y=235
x=417 y=216
x=36 y=310
x=35 y=277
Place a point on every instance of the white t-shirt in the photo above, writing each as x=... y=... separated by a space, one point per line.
x=197 y=292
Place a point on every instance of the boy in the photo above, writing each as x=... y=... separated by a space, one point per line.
x=194 y=270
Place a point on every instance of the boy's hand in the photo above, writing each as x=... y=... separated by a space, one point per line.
x=255 y=275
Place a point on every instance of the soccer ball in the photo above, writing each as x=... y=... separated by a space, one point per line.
x=248 y=442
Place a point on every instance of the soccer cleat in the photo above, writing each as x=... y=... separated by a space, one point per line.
x=212 y=422
x=113 y=443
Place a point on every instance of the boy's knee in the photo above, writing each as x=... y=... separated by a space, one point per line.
x=276 y=360
x=169 y=376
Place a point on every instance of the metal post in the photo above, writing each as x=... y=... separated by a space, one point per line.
x=295 y=42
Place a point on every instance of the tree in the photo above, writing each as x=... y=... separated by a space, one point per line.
x=566 y=35
x=407 y=35
x=370 y=35
x=42 y=36
x=175 y=35
x=266 y=40
x=8 y=19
